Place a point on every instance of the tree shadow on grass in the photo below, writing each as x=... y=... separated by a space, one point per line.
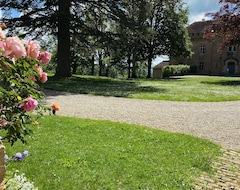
x=224 y=82
x=100 y=86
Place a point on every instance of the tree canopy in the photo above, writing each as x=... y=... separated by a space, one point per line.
x=226 y=23
x=122 y=29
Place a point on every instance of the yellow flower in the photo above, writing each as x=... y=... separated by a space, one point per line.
x=35 y=123
x=19 y=98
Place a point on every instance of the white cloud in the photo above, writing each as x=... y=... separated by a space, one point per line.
x=197 y=17
x=198 y=8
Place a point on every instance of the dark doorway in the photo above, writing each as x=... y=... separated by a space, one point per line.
x=231 y=68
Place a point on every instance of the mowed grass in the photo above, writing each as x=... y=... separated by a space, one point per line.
x=71 y=153
x=191 y=89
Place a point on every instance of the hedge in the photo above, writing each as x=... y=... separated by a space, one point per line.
x=173 y=70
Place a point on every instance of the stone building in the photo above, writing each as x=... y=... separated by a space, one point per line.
x=157 y=70
x=206 y=58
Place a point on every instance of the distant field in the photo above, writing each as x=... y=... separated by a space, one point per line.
x=192 y=89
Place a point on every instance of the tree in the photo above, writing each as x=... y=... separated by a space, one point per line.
x=63 y=24
x=39 y=18
x=226 y=23
x=146 y=29
x=136 y=31
x=167 y=20
x=62 y=18
x=154 y=28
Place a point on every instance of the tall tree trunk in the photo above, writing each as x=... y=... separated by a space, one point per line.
x=74 y=68
x=63 y=56
x=100 y=63
x=134 y=69
x=150 y=57
x=107 y=71
x=92 y=64
x=149 y=67
x=129 y=65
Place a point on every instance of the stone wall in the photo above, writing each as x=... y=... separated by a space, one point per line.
x=2 y=166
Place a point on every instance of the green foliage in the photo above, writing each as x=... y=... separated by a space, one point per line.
x=128 y=31
x=15 y=87
x=171 y=70
x=71 y=153
x=224 y=23
x=20 y=68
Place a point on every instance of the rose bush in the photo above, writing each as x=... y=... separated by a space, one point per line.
x=20 y=71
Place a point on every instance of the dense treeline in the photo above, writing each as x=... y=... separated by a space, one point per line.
x=103 y=37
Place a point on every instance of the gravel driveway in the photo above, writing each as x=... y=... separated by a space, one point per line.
x=216 y=121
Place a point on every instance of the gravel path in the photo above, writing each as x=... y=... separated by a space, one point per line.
x=218 y=122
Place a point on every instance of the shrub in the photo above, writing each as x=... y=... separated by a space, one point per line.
x=20 y=68
x=172 y=70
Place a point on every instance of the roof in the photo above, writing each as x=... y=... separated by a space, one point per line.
x=162 y=64
x=199 y=27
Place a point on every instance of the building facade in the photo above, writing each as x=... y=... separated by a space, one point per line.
x=206 y=58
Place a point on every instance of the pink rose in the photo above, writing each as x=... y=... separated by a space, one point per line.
x=40 y=71
x=32 y=78
x=2 y=34
x=33 y=49
x=29 y=105
x=44 y=57
x=3 y=122
x=3 y=26
x=2 y=46
x=43 y=78
x=14 y=47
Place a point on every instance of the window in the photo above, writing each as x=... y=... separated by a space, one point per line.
x=201 y=66
x=232 y=48
x=202 y=49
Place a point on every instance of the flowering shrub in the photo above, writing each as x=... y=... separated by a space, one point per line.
x=20 y=69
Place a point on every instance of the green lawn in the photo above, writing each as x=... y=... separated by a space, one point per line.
x=70 y=153
x=193 y=89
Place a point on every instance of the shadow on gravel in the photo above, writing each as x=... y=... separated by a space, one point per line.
x=99 y=86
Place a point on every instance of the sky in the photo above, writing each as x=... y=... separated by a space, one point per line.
x=198 y=8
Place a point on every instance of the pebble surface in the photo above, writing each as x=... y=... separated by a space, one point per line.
x=218 y=122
